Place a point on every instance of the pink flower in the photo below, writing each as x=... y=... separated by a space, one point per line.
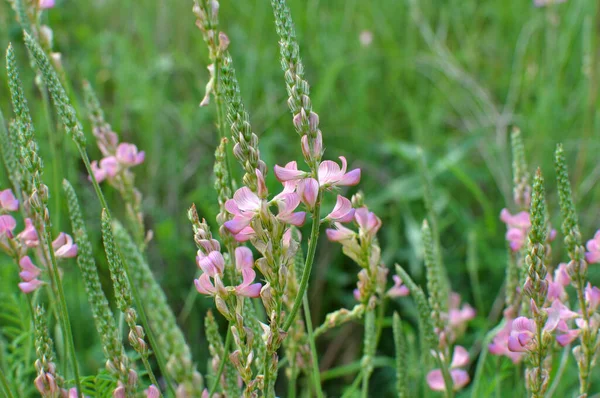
x=317 y=143
x=28 y=270
x=521 y=335
x=212 y=264
x=7 y=225
x=342 y=212
x=64 y=247
x=286 y=204
x=47 y=4
x=331 y=175
x=592 y=297
x=128 y=155
x=152 y=392
x=339 y=233
x=8 y=201
x=566 y=336
x=289 y=174
x=458 y=317
x=245 y=234
x=244 y=206
x=29 y=234
x=399 y=289
x=46 y=384
x=517 y=225
x=243 y=258
x=556 y=285
x=108 y=168
x=460 y=378
x=308 y=189
x=593 y=246
x=32 y=285
x=499 y=345
x=367 y=221
x=247 y=288
x=205 y=286
x=556 y=313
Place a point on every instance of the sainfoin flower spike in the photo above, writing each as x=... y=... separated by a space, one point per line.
x=460 y=377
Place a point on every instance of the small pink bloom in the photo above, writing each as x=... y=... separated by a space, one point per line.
x=556 y=313
x=339 y=233
x=308 y=189
x=521 y=335
x=7 y=225
x=458 y=317
x=556 y=285
x=331 y=175
x=261 y=185
x=516 y=237
x=342 y=212
x=152 y=392
x=8 y=201
x=205 y=286
x=29 y=234
x=499 y=345
x=28 y=270
x=247 y=288
x=212 y=264
x=517 y=225
x=357 y=295
x=119 y=392
x=566 y=336
x=128 y=155
x=593 y=246
x=47 y=4
x=243 y=258
x=368 y=222
x=287 y=203
x=32 y=285
x=46 y=384
x=460 y=378
x=244 y=206
x=245 y=234
x=317 y=144
x=64 y=247
x=108 y=168
x=592 y=297
x=289 y=173
x=399 y=289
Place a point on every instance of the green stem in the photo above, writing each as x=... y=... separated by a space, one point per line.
x=354 y=386
x=54 y=152
x=149 y=369
x=136 y=296
x=313 y=349
x=345 y=370
x=369 y=348
x=310 y=257
x=5 y=385
x=213 y=389
x=64 y=314
x=481 y=362
x=564 y=359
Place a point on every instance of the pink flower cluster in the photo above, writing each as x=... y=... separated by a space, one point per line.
x=17 y=246
x=125 y=156
x=517 y=226
x=460 y=377
x=212 y=265
x=593 y=249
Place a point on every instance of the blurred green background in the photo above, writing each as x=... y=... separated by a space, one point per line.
x=451 y=77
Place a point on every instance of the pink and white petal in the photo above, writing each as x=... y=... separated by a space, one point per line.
x=460 y=378
x=514 y=345
x=308 y=189
x=351 y=178
x=340 y=233
x=252 y=290
x=28 y=287
x=237 y=224
x=243 y=258
x=523 y=324
x=246 y=200
x=8 y=200
x=435 y=380
x=245 y=234
x=61 y=240
x=329 y=172
x=204 y=285
x=460 y=357
x=284 y=174
x=288 y=202
x=568 y=337
x=296 y=219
